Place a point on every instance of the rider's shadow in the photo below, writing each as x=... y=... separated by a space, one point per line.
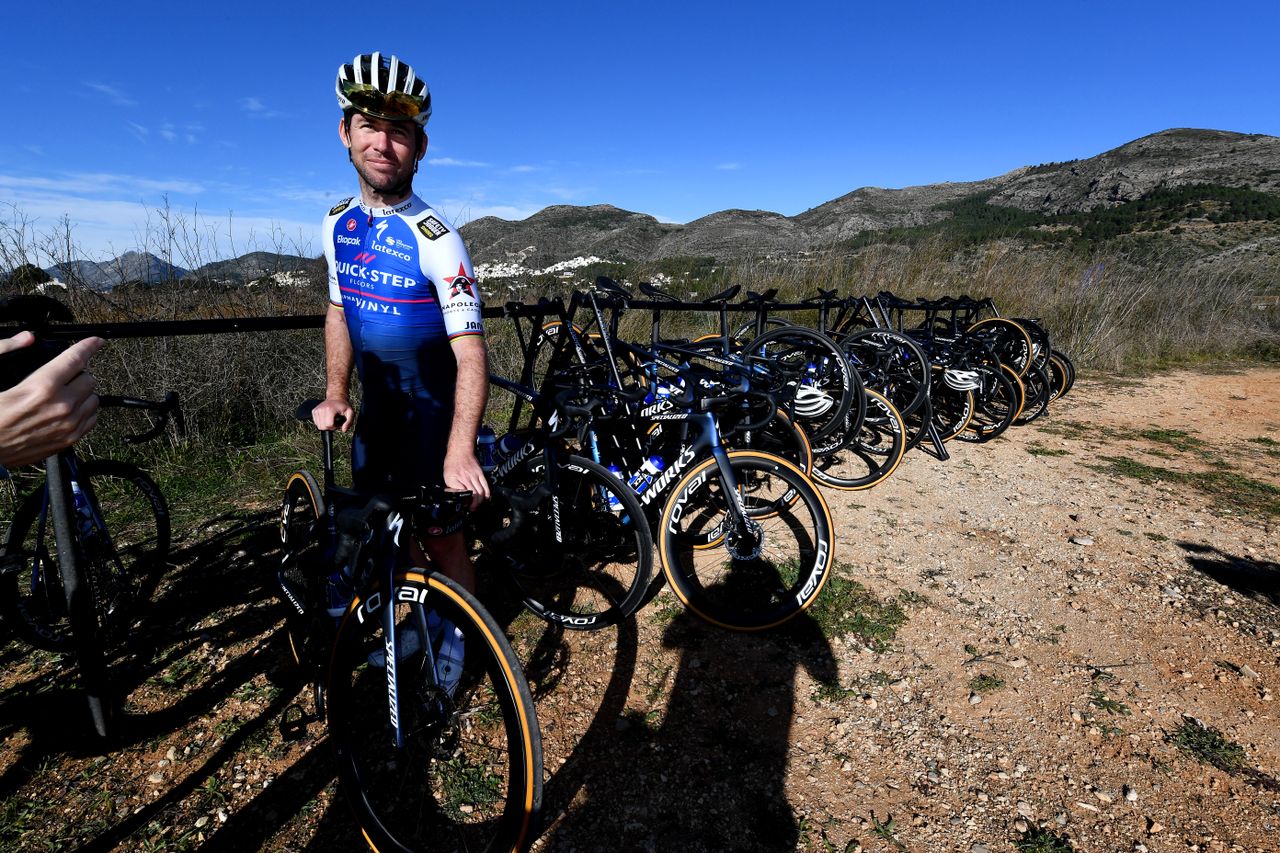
x=711 y=775
x=728 y=725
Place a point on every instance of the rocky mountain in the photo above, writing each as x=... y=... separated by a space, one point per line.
x=564 y=231
x=1168 y=159
x=146 y=267
x=104 y=275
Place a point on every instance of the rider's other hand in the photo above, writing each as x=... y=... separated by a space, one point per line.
x=325 y=415
x=463 y=471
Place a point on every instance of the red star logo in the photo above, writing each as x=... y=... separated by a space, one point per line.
x=461 y=283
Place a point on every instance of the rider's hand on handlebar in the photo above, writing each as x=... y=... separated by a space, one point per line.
x=324 y=415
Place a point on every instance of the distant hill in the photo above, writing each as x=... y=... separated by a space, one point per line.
x=104 y=275
x=248 y=267
x=147 y=268
x=1027 y=197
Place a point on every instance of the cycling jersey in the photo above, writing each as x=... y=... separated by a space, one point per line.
x=404 y=282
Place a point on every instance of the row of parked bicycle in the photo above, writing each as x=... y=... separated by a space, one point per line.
x=709 y=452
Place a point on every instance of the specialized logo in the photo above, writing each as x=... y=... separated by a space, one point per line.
x=432 y=228
x=461 y=283
x=351 y=224
x=340 y=206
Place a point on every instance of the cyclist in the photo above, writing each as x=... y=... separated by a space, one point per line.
x=50 y=409
x=404 y=311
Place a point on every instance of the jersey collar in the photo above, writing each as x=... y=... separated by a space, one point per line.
x=408 y=207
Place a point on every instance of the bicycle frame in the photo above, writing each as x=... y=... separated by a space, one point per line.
x=374 y=559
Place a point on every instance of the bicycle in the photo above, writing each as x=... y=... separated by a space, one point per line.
x=743 y=536
x=435 y=749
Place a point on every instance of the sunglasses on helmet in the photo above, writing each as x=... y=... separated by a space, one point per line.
x=389 y=105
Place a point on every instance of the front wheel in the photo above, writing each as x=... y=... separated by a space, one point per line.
x=123 y=538
x=303 y=574
x=756 y=567
x=469 y=773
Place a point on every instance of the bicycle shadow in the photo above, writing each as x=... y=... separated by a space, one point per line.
x=217 y=593
x=1257 y=579
x=682 y=784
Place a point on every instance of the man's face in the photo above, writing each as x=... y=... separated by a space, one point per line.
x=383 y=152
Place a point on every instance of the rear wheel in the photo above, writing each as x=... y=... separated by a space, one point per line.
x=871 y=455
x=996 y=404
x=1038 y=393
x=578 y=548
x=1067 y=369
x=469 y=773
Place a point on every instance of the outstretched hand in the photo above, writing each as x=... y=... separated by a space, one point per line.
x=50 y=409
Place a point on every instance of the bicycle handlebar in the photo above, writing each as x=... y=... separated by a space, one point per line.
x=167 y=409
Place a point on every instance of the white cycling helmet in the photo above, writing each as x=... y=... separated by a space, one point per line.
x=812 y=402
x=962 y=380
x=383 y=87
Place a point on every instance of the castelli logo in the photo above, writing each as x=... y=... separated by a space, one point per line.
x=351 y=225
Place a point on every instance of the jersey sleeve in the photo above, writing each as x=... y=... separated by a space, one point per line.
x=330 y=253
x=447 y=265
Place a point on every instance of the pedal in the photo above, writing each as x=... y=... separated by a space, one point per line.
x=293 y=723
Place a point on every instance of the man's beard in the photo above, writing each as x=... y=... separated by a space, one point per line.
x=392 y=186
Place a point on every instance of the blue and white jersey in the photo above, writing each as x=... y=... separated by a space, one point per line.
x=399 y=274
x=405 y=284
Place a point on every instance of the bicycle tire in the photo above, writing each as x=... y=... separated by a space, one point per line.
x=767 y=580
x=995 y=405
x=1038 y=388
x=469 y=776
x=583 y=556
x=1009 y=341
x=892 y=363
x=871 y=455
x=808 y=359
x=302 y=569
x=114 y=566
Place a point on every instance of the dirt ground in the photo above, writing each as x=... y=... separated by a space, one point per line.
x=1087 y=648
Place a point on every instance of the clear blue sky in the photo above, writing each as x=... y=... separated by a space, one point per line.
x=672 y=109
